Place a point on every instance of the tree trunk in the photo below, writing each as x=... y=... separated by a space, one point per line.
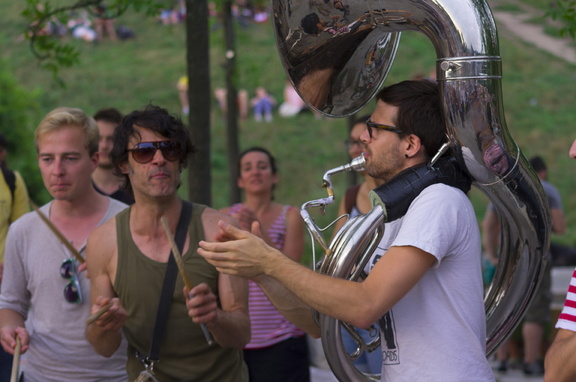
x=198 y=60
x=231 y=102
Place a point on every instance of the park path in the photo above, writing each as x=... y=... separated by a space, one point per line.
x=518 y=24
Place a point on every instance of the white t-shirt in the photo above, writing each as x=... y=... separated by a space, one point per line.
x=437 y=331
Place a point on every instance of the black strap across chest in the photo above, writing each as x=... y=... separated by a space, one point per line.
x=168 y=285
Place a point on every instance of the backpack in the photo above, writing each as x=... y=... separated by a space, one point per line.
x=10 y=179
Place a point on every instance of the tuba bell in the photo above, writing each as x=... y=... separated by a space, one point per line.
x=337 y=55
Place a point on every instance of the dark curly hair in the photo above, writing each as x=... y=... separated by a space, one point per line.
x=152 y=118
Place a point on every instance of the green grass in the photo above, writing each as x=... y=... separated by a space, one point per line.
x=538 y=95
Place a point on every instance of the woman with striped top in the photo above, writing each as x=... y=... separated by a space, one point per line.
x=278 y=350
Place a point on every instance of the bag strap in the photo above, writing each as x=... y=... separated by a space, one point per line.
x=10 y=178
x=169 y=283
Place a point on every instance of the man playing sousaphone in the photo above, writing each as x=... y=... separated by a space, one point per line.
x=424 y=285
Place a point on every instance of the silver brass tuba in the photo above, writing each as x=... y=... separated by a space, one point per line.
x=338 y=54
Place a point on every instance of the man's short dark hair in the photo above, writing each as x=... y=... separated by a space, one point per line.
x=153 y=118
x=3 y=142
x=419 y=111
x=538 y=163
x=110 y=115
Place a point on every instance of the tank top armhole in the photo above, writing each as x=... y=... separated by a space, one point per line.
x=122 y=227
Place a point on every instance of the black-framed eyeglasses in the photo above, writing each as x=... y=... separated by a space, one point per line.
x=72 y=292
x=144 y=152
x=373 y=125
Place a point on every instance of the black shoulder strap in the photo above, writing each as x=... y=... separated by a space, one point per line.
x=169 y=282
x=10 y=178
x=396 y=195
x=350 y=197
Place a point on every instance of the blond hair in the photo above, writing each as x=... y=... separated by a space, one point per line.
x=69 y=117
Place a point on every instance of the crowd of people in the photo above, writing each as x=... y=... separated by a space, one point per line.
x=227 y=298
x=263 y=104
x=92 y=25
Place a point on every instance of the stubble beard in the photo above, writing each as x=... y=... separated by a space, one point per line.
x=388 y=167
x=105 y=166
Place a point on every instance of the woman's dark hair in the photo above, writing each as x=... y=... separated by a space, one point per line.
x=360 y=119
x=156 y=119
x=259 y=150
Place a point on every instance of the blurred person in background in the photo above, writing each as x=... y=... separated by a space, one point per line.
x=104 y=179
x=356 y=201
x=13 y=204
x=278 y=350
x=539 y=312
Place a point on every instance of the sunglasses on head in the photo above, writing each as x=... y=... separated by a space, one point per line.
x=72 y=292
x=373 y=125
x=144 y=152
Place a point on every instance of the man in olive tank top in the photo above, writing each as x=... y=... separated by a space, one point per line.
x=127 y=260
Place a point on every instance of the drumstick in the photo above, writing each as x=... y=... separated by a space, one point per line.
x=96 y=315
x=178 y=258
x=16 y=361
x=57 y=233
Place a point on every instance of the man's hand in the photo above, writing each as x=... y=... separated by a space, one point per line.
x=113 y=318
x=201 y=304
x=239 y=252
x=245 y=217
x=8 y=339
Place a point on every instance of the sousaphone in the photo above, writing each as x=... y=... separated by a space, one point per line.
x=337 y=53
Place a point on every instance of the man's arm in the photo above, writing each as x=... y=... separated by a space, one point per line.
x=230 y=325
x=231 y=328
x=14 y=299
x=294 y=240
x=289 y=305
x=360 y=304
x=12 y=326
x=558 y=221
x=560 y=363
x=101 y=251
x=491 y=235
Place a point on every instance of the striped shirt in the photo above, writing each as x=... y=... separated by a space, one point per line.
x=567 y=319
x=269 y=327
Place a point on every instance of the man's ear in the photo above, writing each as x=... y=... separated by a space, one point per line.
x=95 y=159
x=124 y=167
x=413 y=145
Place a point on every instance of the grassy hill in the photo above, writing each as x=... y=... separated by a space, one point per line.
x=538 y=91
